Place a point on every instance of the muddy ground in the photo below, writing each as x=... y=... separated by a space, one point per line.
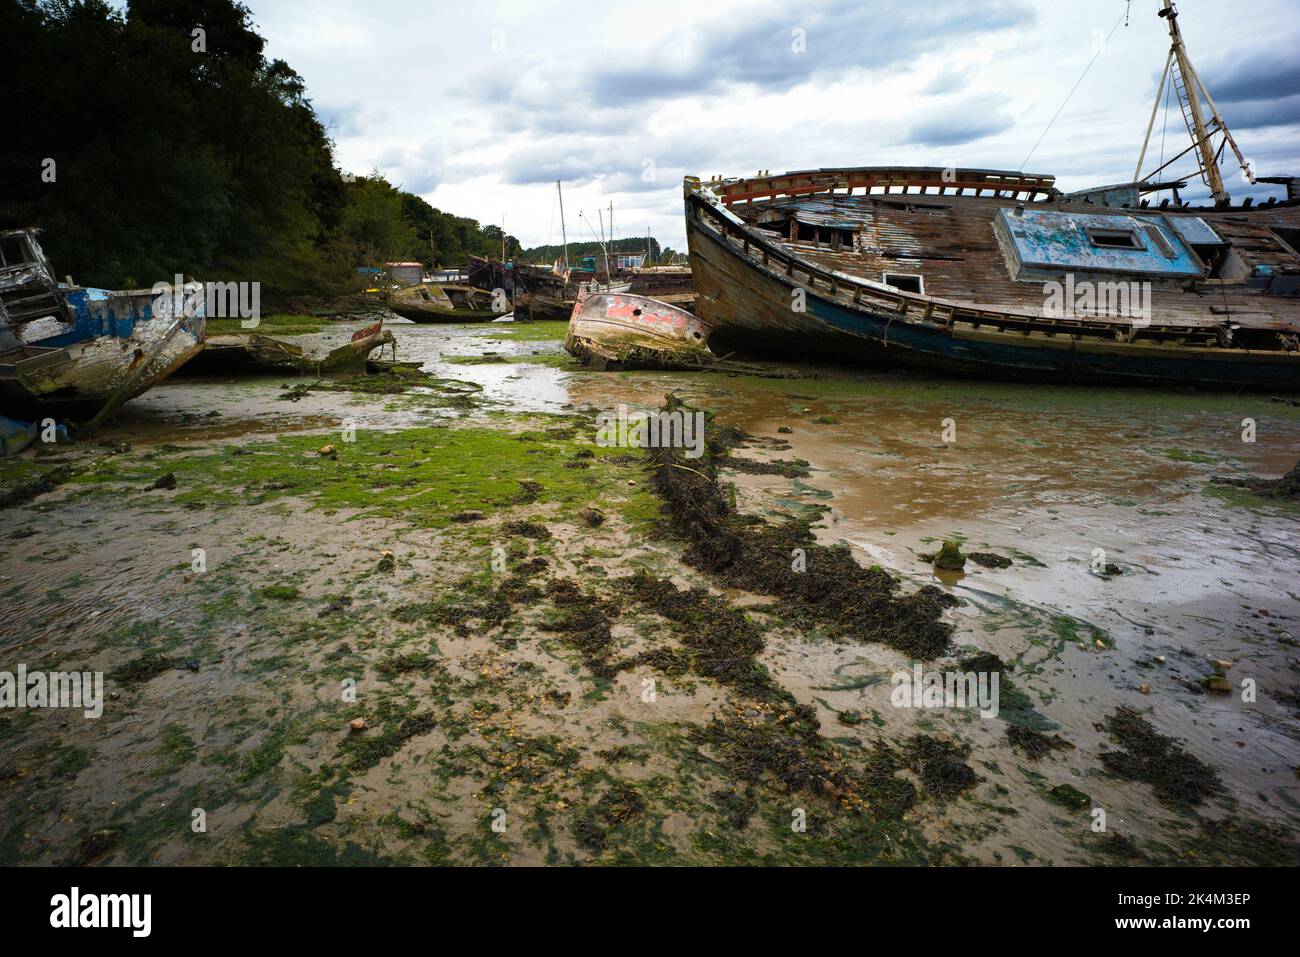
x=432 y=621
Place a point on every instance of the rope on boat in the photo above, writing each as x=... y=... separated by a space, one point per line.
x=1123 y=19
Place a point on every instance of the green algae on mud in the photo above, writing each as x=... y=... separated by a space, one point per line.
x=423 y=476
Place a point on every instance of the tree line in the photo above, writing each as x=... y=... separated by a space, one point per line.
x=636 y=245
x=160 y=139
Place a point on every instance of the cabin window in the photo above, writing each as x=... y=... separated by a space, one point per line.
x=1288 y=235
x=13 y=251
x=904 y=282
x=1114 y=238
x=833 y=236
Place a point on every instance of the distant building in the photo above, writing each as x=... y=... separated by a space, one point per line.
x=627 y=260
x=405 y=274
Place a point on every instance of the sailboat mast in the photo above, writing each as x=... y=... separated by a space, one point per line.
x=1185 y=82
x=600 y=213
x=564 y=237
x=1192 y=93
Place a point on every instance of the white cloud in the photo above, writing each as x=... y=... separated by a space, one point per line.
x=481 y=107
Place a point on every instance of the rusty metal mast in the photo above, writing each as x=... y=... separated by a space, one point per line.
x=1187 y=84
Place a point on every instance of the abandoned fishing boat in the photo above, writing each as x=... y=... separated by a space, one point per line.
x=70 y=350
x=252 y=353
x=1000 y=274
x=543 y=292
x=624 y=331
x=671 y=284
x=447 y=302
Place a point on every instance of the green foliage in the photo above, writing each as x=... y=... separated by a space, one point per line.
x=385 y=224
x=635 y=245
x=170 y=159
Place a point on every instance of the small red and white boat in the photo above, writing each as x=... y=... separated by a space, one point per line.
x=618 y=330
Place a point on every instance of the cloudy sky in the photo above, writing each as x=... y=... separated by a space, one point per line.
x=480 y=107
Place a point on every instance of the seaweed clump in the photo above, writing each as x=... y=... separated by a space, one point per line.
x=585 y=625
x=1034 y=743
x=22 y=492
x=1177 y=777
x=1287 y=487
x=617 y=806
x=369 y=750
x=940 y=765
x=720 y=639
x=820 y=586
x=144 y=668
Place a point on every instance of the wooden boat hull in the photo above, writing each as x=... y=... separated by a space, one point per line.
x=130 y=339
x=251 y=354
x=444 y=316
x=624 y=331
x=750 y=306
x=433 y=303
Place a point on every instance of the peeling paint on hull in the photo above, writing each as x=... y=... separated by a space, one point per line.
x=76 y=377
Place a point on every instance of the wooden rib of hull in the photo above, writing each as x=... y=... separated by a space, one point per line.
x=749 y=305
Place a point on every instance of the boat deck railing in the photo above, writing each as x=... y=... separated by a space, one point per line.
x=914 y=307
x=885 y=180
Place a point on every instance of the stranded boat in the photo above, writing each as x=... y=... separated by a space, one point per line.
x=70 y=350
x=445 y=302
x=1000 y=274
x=624 y=331
x=250 y=352
x=671 y=284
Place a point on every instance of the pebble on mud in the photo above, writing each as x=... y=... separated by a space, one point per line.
x=358 y=724
x=328 y=451
x=165 y=481
x=592 y=516
x=1217 y=683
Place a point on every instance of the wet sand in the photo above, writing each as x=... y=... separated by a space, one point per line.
x=503 y=719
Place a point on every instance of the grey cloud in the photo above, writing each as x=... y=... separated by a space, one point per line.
x=762 y=52
x=960 y=122
x=1259 y=114
x=348 y=119
x=839 y=37
x=1268 y=72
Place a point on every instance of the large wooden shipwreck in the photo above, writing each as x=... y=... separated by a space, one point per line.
x=1000 y=274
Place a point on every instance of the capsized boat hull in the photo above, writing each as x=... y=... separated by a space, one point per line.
x=625 y=331
x=745 y=289
x=432 y=303
x=251 y=353
x=133 y=339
